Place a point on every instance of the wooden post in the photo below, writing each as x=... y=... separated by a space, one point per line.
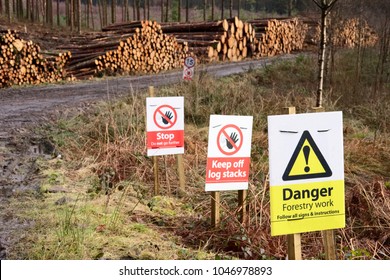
x=155 y=158
x=242 y=194
x=180 y=170
x=329 y=244
x=294 y=249
x=215 y=203
x=328 y=238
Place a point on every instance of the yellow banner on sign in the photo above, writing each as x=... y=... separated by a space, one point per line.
x=307 y=207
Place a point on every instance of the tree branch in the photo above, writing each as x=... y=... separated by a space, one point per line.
x=318 y=4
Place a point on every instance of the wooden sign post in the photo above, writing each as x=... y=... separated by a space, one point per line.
x=242 y=204
x=294 y=247
x=165 y=132
x=156 y=189
x=327 y=235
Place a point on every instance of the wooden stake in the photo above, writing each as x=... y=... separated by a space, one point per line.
x=155 y=159
x=215 y=204
x=242 y=194
x=180 y=170
x=327 y=235
x=329 y=244
x=294 y=250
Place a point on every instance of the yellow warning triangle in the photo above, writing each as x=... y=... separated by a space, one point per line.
x=307 y=161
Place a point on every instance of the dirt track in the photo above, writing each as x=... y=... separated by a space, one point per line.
x=25 y=107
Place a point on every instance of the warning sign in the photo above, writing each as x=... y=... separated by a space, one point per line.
x=228 y=157
x=165 y=125
x=306 y=161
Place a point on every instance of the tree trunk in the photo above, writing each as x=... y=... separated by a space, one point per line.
x=167 y=11
x=179 y=11
x=113 y=11
x=91 y=11
x=71 y=15
x=36 y=11
x=162 y=10
x=321 y=59
x=212 y=9
x=144 y=9
x=238 y=8
x=187 y=8
x=222 y=9
x=8 y=9
x=138 y=9
x=384 y=53
x=58 y=13
x=148 y=9
x=289 y=7
x=325 y=6
x=78 y=16
x=204 y=9
x=100 y=13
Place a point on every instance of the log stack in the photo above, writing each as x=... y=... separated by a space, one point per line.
x=227 y=39
x=22 y=63
x=349 y=33
x=148 y=50
x=125 y=48
x=234 y=40
x=277 y=36
x=352 y=33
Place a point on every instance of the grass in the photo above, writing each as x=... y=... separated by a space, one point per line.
x=109 y=211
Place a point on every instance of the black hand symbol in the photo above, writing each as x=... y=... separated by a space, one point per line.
x=234 y=138
x=169 y=115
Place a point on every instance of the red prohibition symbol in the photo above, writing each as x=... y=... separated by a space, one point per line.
x=168 y=117
x=231 y=140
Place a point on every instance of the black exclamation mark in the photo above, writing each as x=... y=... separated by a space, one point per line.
x=306 y=152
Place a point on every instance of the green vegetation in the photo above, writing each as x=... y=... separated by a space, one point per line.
x=105 y=208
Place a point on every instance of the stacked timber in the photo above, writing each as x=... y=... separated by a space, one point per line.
x=139 y=47
x=228 y=39
x=148 y=50
x=352 y=33
x=21 y=62
x=346 y=33
x=277 y=36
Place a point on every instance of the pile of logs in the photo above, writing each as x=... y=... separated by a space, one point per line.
x=140 y=47
x=232 y=39
x=277 y=36
x=349 y=33
x=228 y=39
x=352 y=33
x=22 y=63
x=148 y=50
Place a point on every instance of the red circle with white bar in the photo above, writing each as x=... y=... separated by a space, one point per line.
x=163 y=112
x=229 y=141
